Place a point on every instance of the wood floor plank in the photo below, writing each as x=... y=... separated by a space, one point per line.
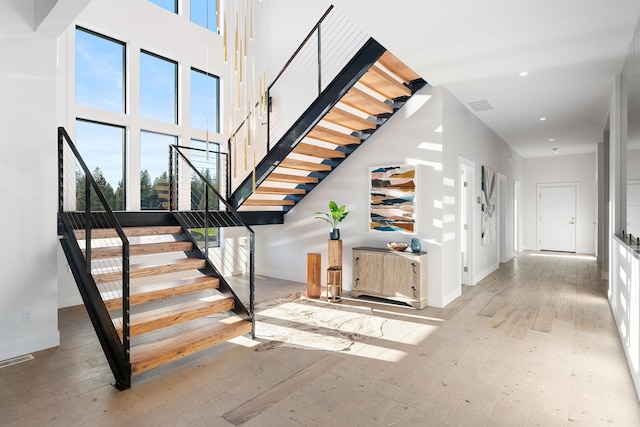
x=268 y=398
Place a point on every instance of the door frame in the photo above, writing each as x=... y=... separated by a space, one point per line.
x=501 y=211
x=467 y=168
x=539 y=186
x=516 y=214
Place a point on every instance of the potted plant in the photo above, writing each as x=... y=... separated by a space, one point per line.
x=334 y=217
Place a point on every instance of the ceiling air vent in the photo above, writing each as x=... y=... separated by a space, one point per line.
x=482 y=105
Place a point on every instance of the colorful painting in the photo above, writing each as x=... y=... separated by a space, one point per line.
x=487 y=219
x=392 y=193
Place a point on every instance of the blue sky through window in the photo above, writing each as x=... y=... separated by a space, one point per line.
x=99 y=72
x=102 y=146
x=170 y=5
x=158 y=88
x=204 y=101
x=203 y=13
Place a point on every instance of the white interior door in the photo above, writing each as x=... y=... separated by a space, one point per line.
x=557 y=218
x=633 y=208
x=516 y=212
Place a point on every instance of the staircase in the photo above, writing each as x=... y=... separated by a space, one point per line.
x=369 y=89
x=169 y=292
x=155 y=283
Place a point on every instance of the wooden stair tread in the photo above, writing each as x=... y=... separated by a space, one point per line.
x=376 y=79
x=348 y=120
x=332 y=136
x=279 y=190
x=397 y=67
x=152 y=320
x=296 y=179
x=141 y=249
x=266 y=202
x=105 y=233
x=157 y=291
x=145 y=270
x=304 y=166
x=320 y=152
x=148 y=356
x=362 y=101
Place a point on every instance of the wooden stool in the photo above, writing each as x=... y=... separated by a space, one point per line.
x=334 y=284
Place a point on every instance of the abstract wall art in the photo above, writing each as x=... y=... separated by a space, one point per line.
x=392 y=193
x=488 y=205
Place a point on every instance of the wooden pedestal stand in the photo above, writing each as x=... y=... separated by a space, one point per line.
x=334 y=272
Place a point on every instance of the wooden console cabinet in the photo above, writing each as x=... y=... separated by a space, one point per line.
x=398 y=276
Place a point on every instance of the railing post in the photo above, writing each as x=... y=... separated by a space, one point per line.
x=206 y=220
x=87 y=222
x=252 y=284
x=319 y=59
x=60 y=172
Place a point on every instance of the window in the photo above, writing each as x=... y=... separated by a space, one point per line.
x=154 y=161
x=102 y=148
x=204 y=13
x=158 y=88
x=170 y=5
x=100 y=65
x=205 y=89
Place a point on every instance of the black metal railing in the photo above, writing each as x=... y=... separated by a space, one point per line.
x=82 y=210
x=323 y=55
x=221 y=234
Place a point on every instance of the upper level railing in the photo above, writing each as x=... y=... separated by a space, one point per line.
x=82 y=209
x=326 y=50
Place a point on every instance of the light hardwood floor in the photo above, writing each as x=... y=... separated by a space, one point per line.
x=534 y=344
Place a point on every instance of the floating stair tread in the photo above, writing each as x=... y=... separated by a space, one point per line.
x=362 y=101
x=296 y=179
x=148 y=356
x=145 y=270
x=320 y=152
x=376 y=79
x=158 y=291
x=348 y=120
x=279 y=190
x=105 y=233
x=141 y=249
x=264 y=202
x=152 y=320
x=333 y=136
x=304 y=166
x=397 y=67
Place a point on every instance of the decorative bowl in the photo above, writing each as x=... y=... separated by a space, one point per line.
x=397 y=246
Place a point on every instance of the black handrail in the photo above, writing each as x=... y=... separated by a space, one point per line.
x=116 y=351
x=173 y=206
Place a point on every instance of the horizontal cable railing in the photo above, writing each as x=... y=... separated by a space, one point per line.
x=90 y=227
x=226 y=241
x=323 y=54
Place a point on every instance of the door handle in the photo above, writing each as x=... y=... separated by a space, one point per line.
x=571 y=222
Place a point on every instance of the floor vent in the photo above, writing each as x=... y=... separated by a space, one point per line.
x=16 y=360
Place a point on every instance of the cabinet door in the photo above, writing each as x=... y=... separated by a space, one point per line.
x=368 y=268
x=402 y=276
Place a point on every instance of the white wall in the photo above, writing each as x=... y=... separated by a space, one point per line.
x=28 y=186
x=578 y=168
x=281 y=250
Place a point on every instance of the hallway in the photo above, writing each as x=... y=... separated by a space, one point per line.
x=533 y=344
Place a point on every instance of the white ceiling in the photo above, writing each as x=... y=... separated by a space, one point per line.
x=572 y=49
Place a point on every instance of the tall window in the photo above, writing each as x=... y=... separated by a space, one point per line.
x=158 y=88
x=205 y=100
x=204 y=13
x=100 y=75
x=154 y=161
x=102 y=148
x=170 y=5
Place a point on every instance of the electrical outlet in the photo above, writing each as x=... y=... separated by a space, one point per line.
x=27 y=315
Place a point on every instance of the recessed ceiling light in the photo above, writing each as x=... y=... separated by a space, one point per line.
x=524 y=73
x=551 y=139
x=542 y=119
